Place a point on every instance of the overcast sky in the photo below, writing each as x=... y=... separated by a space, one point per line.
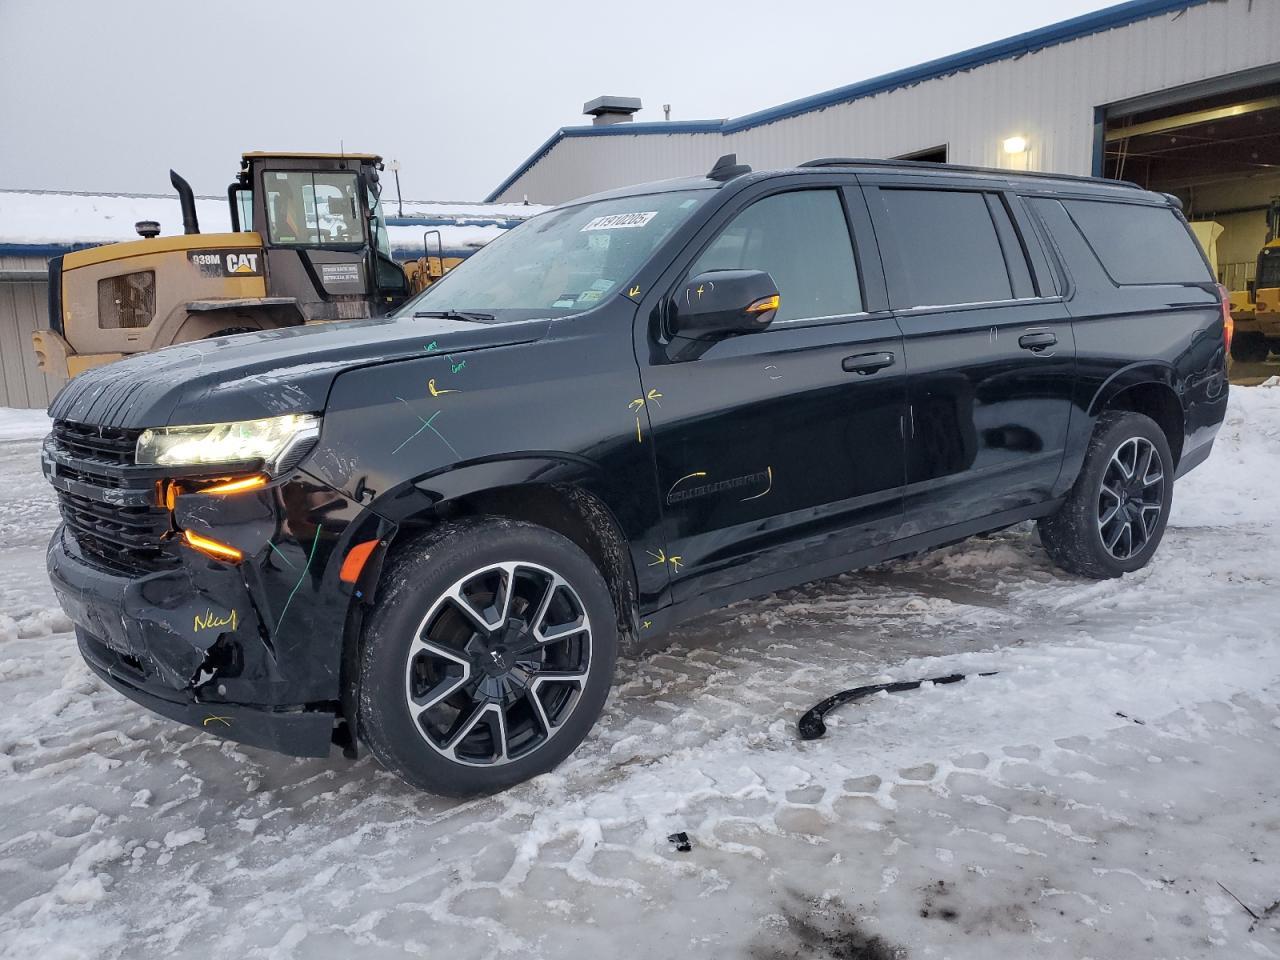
x=106 y=95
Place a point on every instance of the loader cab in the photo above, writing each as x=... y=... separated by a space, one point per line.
x=322 y=226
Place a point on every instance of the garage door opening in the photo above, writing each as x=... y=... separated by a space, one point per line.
x=1217 y=148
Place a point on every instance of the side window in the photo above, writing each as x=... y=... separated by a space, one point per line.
x=800 y=239
x=1139 y=244
x=948 y=247
x=243 y=200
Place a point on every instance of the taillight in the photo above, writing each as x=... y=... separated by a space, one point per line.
x=1228 y=322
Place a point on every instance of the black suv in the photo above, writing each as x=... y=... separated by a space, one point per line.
x=431 y=532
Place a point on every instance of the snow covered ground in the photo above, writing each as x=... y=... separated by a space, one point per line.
x=1108 y=794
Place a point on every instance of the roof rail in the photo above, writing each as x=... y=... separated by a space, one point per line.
x=928 y=165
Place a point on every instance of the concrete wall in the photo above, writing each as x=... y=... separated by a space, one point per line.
x=24 y=298
x=1047 y=96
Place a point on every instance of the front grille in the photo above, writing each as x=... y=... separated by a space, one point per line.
x=113 y=445
x=111 y=512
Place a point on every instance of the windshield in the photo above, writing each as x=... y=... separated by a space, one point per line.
x=561 y=262
x=311 y=209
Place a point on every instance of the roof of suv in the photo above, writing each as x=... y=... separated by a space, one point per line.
x=1039 y=180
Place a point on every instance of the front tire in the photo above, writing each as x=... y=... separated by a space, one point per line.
x=1115 y=516
x=487 y=658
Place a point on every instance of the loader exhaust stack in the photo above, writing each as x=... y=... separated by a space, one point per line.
x=188 y=201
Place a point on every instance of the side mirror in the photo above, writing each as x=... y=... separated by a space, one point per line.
x=724 y=303
x=719 y=304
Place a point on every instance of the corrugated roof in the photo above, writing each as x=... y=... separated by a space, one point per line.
x=49 y=223
x=1063 y=32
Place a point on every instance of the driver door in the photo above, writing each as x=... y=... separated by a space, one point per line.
x=775 y=451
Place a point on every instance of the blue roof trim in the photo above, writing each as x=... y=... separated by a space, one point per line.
x=43 y=249
x=506 y=223
x=399 y=251
x=402 y=254
x=1108 y=18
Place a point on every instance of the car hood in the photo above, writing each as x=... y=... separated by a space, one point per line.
x=264 y=374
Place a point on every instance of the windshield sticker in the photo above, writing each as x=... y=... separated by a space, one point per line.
x=619 y=221
x=602 y=284
x=589 y=296
x=563 y=302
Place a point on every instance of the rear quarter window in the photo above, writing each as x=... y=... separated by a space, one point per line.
x=1139 y=244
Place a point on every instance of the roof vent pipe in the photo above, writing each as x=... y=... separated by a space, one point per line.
x=607 y=110
x=187 y=199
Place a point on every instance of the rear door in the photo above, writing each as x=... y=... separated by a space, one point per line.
x=988 y=344
x=781 y=449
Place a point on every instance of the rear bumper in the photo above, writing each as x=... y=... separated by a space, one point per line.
x=1193 y=458
x=298 y=732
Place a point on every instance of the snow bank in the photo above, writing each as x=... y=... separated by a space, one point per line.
x=16 y=424
x=1237 y=484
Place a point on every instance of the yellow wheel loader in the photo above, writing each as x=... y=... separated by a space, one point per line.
x=308 y=243
x=1257 y=320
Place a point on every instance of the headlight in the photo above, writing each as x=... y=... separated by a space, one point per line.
x=209 y=443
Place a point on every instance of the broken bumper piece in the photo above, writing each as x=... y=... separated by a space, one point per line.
x=297 y=732
x=189 y=652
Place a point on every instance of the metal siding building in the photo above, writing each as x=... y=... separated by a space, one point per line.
x=1051 y=86
x=24 y=299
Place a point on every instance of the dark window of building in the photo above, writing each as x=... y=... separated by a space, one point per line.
x=947 y=246
x=800 y=239
x=1269 y=268
x=1139 y=244
x=931 y=155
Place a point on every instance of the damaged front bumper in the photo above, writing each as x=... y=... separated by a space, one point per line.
x=163 y=641
x=299 y=732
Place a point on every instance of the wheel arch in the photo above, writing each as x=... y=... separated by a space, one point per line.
x=199 y=324
x=561 y=492
x=1147 y=389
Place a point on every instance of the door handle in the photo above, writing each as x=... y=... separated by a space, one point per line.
x=1037 y=341
x=865 y=363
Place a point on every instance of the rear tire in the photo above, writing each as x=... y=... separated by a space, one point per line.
x=1249 y=347
x=1115 y=515
x=469 y=684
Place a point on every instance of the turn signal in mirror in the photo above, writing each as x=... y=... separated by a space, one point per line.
x=764 y=308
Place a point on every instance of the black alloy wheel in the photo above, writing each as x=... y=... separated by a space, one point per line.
x=498 y=663
x=1115 y=514
x=486 y=657
x=1131 y=498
